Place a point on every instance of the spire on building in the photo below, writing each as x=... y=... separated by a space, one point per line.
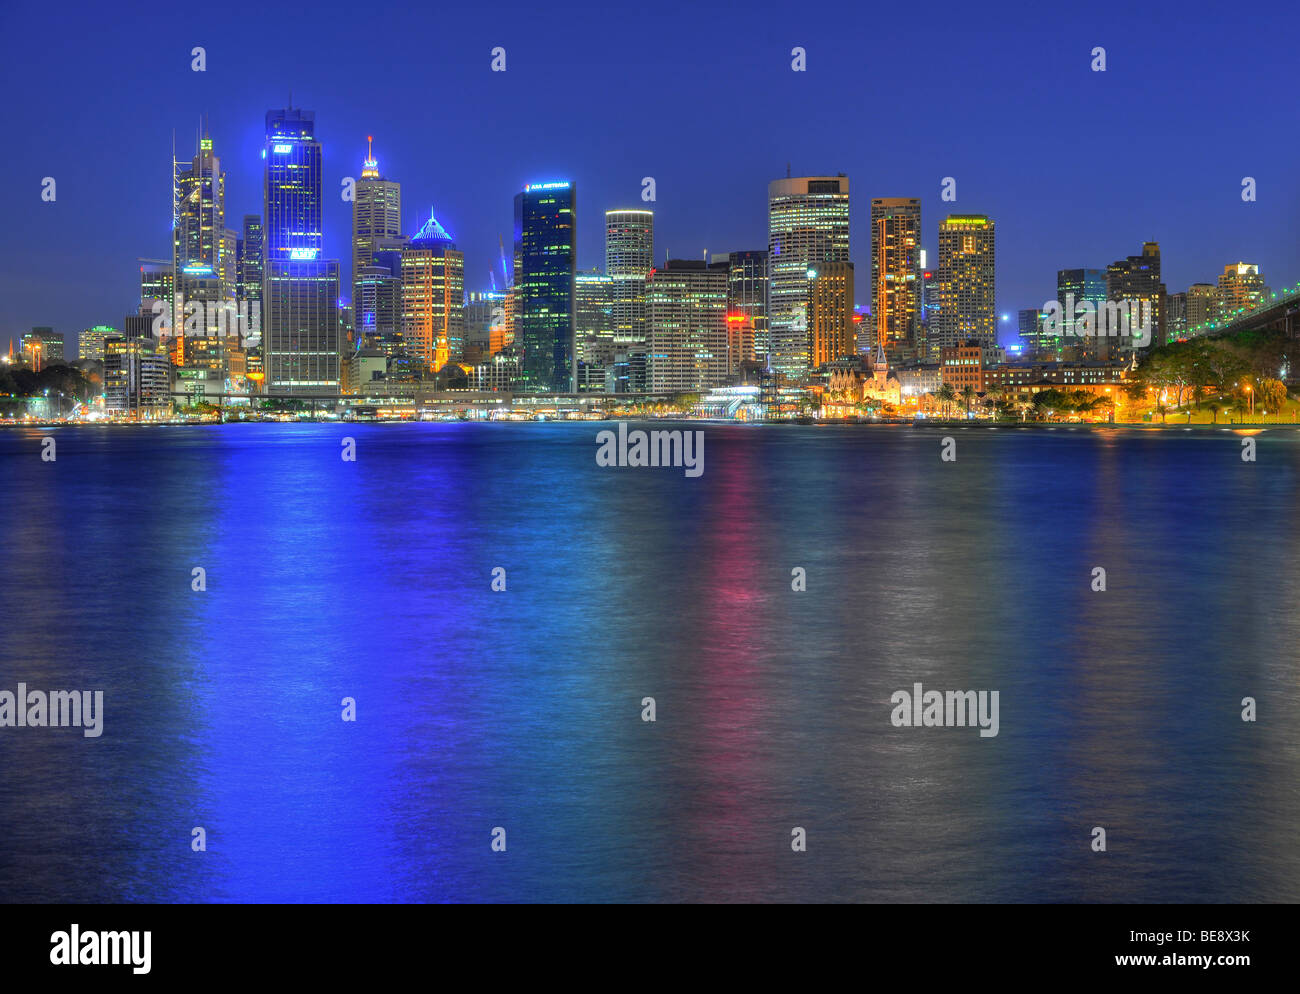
x=371 y=166
x=431 y=231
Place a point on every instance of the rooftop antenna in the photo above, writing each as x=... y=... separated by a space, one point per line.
x=787 y=170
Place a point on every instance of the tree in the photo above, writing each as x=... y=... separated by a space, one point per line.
x=1272 y=394
x=946 y=395
x=968 y=395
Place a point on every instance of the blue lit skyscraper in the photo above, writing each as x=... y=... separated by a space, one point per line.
x=545 y=266
x=292 y=187
x=300 y=345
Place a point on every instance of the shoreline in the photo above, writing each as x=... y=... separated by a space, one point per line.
x=808 y=423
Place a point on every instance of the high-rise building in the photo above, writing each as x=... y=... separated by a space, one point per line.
x=433 y=296
x=301 y=340
x=201 y=257
x=90 y=343
x=1031 y=333
x=686 y=319
x=1241 y=287
x=967 y=295
x=1202 y=305
x=808 y=223
x=292 y=187
x=747 y=285
x=593 y=309
x=484 y=325
x=629 y=257
x=1074 y=287
x=157 y=292
x=250 y=259
x=42 y=347
x=896 y=270
x=1136 y=279
x=376 y=215
x=545 y=234
x=137 y=377
x=831 y=334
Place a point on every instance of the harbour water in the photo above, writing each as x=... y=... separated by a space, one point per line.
x=522 y=709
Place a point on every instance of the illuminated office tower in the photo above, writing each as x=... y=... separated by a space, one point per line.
x=248 y=274
x=198 y=235
x=377 y=306
x=137 y=377
x=42 y=347
x=301 y=339
x=686 y=327
x=967 y=302
x=1030 y=324
x=249 y=269
x=157 y=296
x=1073 y=287
x=1202 y=307
x=831 y=334
x=485 y=320
x=808 y=223
x=291 y=187
x=747 y=295
x=545 y=235
x=90 y=343
x=896 y=270
x=433 y=296
x=1240 y=287
x=629 y=257
x=593 y=316
x=1137 y=279
x=376 y=214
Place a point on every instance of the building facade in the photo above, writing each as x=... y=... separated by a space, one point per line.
x=808 y=224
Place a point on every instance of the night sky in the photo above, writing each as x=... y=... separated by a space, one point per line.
x=1077 y=167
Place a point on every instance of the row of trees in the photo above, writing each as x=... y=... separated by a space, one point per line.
x=67 y=380
x=1223 y=373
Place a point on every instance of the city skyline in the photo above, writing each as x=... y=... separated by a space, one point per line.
x=693 y=211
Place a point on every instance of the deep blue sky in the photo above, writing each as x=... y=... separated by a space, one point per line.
x=1077 y=168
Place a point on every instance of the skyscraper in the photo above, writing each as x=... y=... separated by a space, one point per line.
x=808 y=223
x=686 y=320
x=292 y=186
x=896 y=270
x=203 y=248
x=545 y=236
x=376 y=216
x=967 y=301
x=629 y=257
x=250 y=273
x=1136 y=279
x=1240 y=287
x=250 y=258
x=1073 y=287
x=200 y=192
x=831 y=334
x=90 y=343
x=300 y=341
x=747 y=285
x=433 y=296
x=1202 y=307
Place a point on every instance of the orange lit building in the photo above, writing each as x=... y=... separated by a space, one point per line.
x=831 y=331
